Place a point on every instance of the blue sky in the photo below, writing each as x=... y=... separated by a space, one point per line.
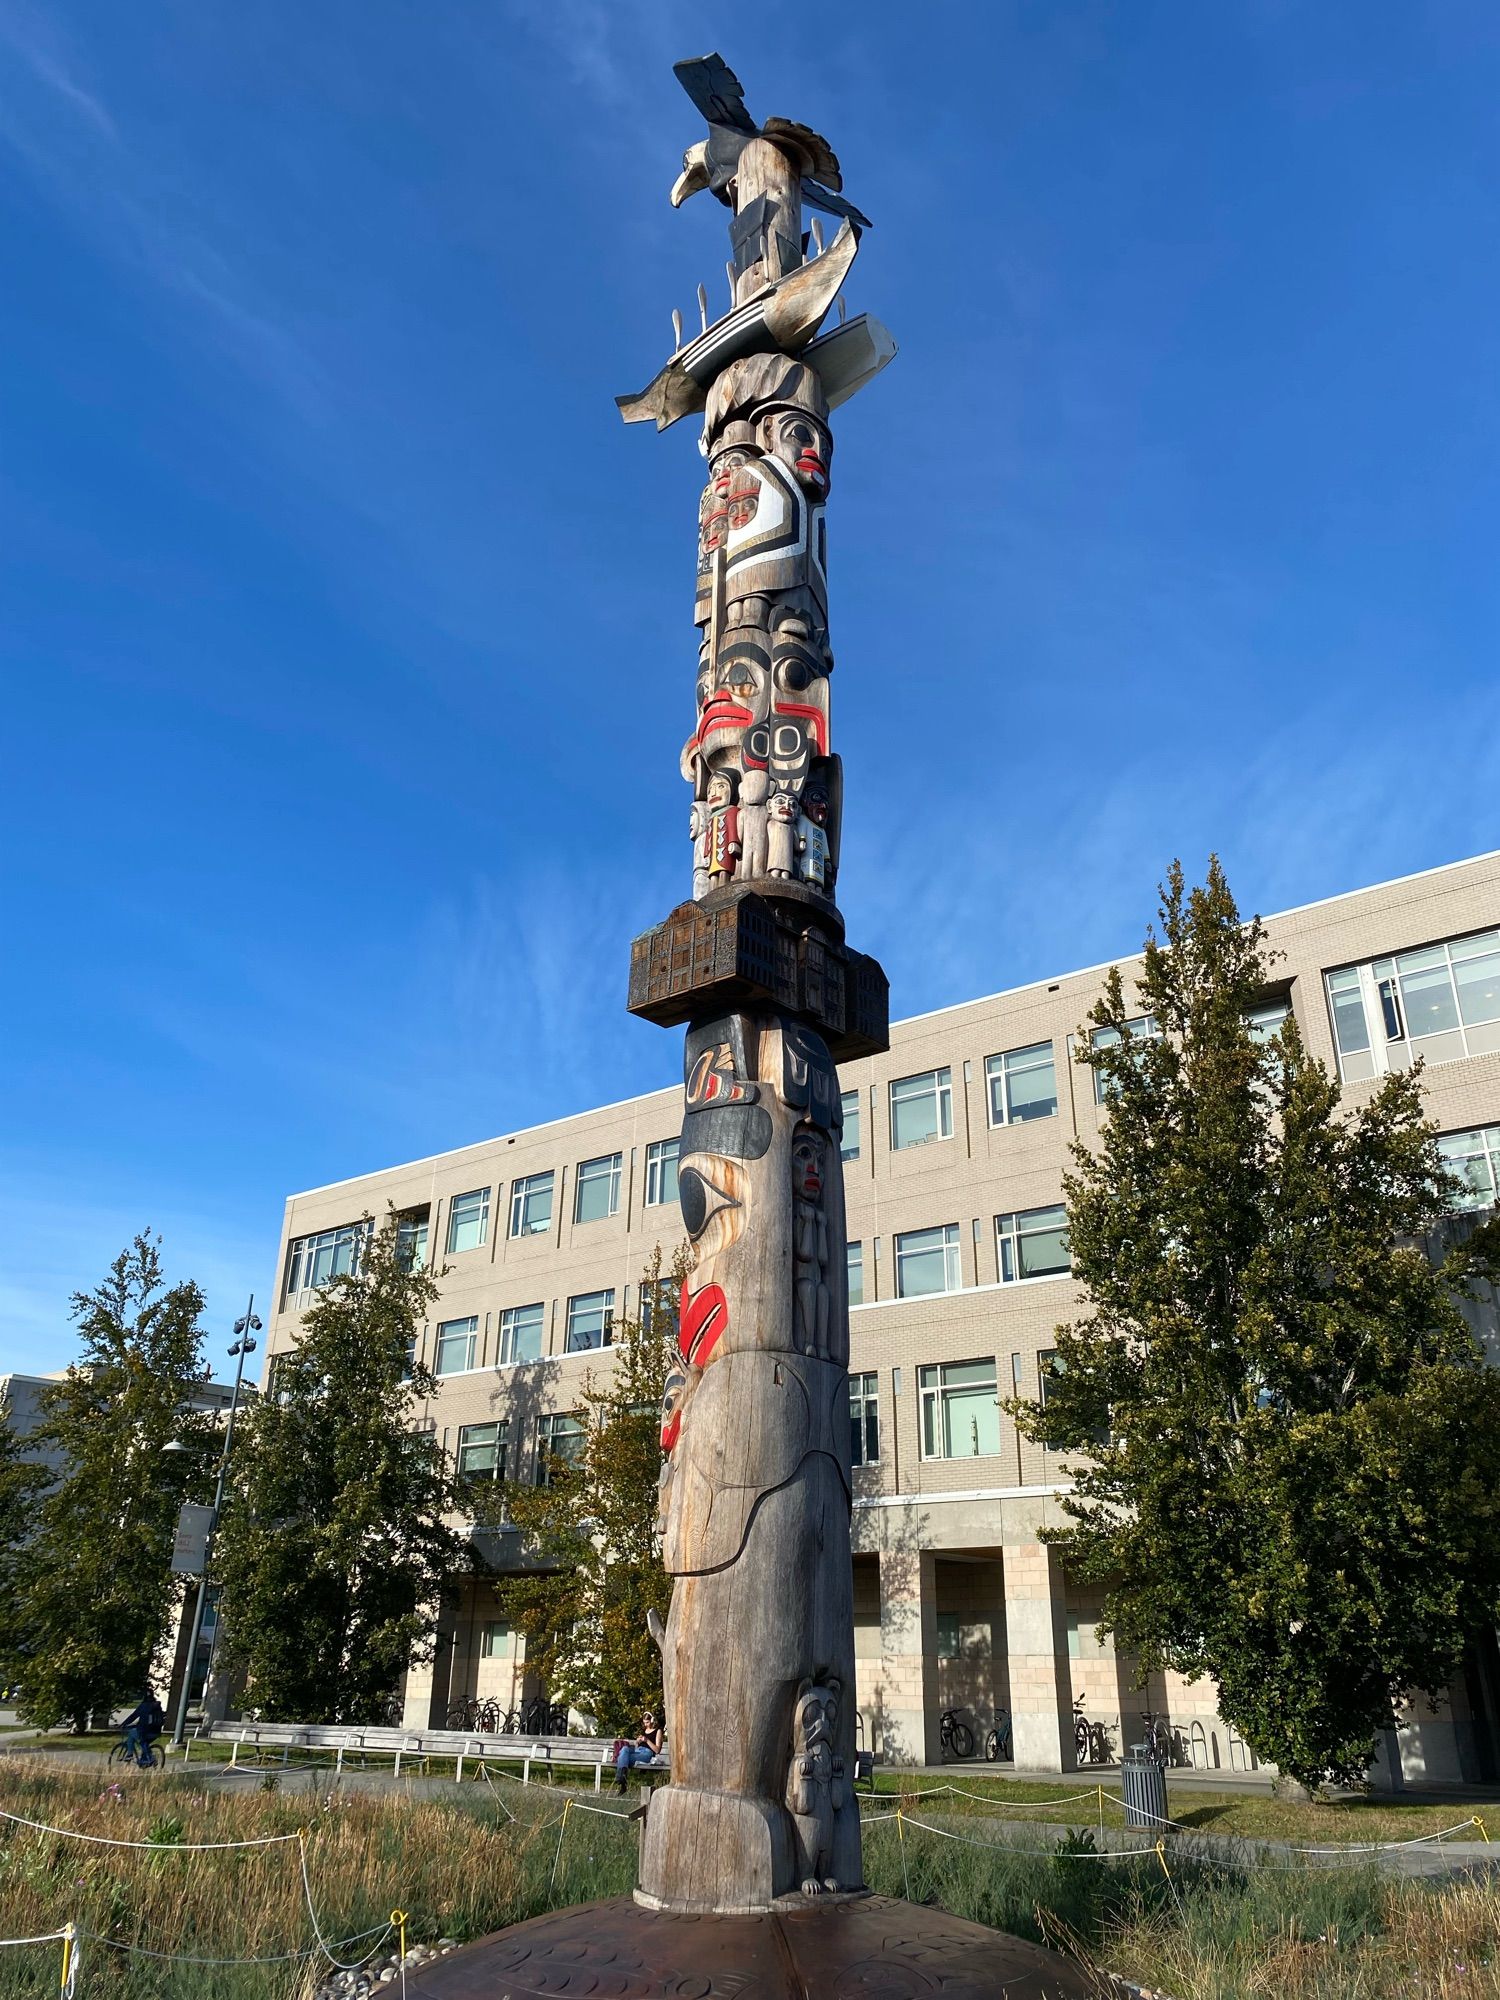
x=346 y=633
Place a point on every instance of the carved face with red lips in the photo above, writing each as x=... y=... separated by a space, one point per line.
x=733 y=696
x=802 y=444
x=807 y=1166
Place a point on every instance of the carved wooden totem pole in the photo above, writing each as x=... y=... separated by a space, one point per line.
x=758 y=1649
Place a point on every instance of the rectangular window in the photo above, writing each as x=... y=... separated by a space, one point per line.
x=494 y=1640
x=960 y=1409
x=531 y=1205
x=559 y=1442
x=856 y=1265
x=481 y=1450
x=1265 y=1020
x=314 y=1261
x=661 y=1172
x=411 y=1357
x=1033 y=1243
x=411 y=1240
x=1475 y=1158
x=849 y=1145
x=469 y=1221
x=927 y=1261
x=456 y=1340
x=1023 y=1085
x=921 y=1108
x=1441 y=1001
x=590 y=1321
x=596 y=1192
x=864 y=1419
x=520 y=1334
x=1142 y=1029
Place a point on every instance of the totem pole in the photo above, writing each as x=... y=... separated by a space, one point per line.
x=758 y=1649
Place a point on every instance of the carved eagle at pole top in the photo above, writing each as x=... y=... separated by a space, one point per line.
x=712 y=162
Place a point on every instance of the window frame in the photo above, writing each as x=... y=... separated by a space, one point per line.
x=549 y=1426
x=864 y=1417
x=849 y=1111
x=941 y=1080
x=952 y=1253
x=1010 y=1241
x=342 y=1235
x=936 y=1397
x=997 y=1070
x=505 y=1355
x=499 y=1444
x=854 y=1271
x=612 y=1163
x=521 y=1192
x=1487 y=1149
x=1140 y=1028
x=1379 y=987
x=658 y=1165
x=607 y=1321
x=483 y=1196
x=448 y=1329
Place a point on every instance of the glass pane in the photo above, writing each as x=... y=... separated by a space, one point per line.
x=914 y=1120
x=931 y=1445
x=1478 y=988
x=856 y=1274
x=965 y=1374
x=1042 y=1242
x=922 y=1263
x=1263 y=1021
x=521 y=1333
x=468 y=1220
x=849 y=1147
x=972 y=1422
x=1030 y=1084
x=1431 y=1008
x=588 y=1320
x=1349 y=1029
x=597 y=1191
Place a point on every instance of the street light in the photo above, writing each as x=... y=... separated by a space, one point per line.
x=244 y=1328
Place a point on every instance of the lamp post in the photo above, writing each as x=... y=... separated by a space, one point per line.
x=243 y=1344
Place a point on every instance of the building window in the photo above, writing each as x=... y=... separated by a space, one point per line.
x=856 y=1265
x=531 y=1205
x=1023 y=1085
x=456 y=1339
x=921 y=1108
x=661 y=1172
x=411 y=1240
x=520 y=1334
x=949 y=1646
x=1265 y=1020
x=469 y=1221
x=596 y=1192
x=927 y=1261
x=559 y=1442
x=849 y=1145
x=494 y=1640
x=410 y=1362
x=314 y=1261
x=1441 y=1002
x=864 y=1419
x=590 y=1321
x=1033 y=1244
x=481 y=1450
x=960 y=1409
x=1475 y=1158
x=1142 y=1029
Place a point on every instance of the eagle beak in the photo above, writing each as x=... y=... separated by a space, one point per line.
x=694 y=175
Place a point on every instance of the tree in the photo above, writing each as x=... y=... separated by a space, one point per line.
x=93 y=1587
x=334 y=1548
x=1293 y=1470
x=22 y=1481
x=592 y=1528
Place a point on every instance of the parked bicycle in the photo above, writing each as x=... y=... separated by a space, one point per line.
x=957 y=1737
x=1161 y=1743
x=1091 y=1744
x=997 y=1745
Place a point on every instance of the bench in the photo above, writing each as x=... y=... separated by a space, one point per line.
x=417 y=1745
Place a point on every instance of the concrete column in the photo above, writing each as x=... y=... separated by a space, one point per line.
x=1036 y=1643
x=907 y=1714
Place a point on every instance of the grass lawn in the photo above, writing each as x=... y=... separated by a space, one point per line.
x=467 y=1861
x=1245 y=1815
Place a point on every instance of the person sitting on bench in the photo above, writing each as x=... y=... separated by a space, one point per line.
x=646 y=1746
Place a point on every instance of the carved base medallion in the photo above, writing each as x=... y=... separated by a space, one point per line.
x=864 y=1948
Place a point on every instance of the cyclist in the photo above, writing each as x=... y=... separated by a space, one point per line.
x=143 y=1726
x=646 y=1746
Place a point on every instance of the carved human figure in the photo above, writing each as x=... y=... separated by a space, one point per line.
x=755 y=789
x=723 y=829
x=814 y=854
x=781 y=836
x=810 y=1240
x=698 y=826
x=815 y=1789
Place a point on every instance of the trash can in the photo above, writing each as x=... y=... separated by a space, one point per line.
x=1143 y=1786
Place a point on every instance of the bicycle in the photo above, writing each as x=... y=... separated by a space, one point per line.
x=131 y=1750
x=955 y=1736
x=1160 y=1746
x=997 y=1745
x=1091 y=1744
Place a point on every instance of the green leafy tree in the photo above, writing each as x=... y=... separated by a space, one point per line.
x=92 y=1589
x=1292 y=1480
x=22 y=1482
x=593 y=1529
x=334 y=1547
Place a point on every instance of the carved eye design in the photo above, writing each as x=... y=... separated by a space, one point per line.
x=701 y=1201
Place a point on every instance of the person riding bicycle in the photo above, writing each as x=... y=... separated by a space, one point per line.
x=143 y=1726
x=646 y=1746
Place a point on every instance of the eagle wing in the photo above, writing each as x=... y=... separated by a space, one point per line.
x=822 y=161
x=833 y=204
x=716 y=90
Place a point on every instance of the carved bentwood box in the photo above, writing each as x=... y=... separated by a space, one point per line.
x=740 y=949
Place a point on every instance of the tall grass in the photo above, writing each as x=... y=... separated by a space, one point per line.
x=1220 y=1929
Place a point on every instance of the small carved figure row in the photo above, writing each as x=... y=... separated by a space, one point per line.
x=745 y=832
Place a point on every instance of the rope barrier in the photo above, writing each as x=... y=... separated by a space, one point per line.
x=48 y=1937
x=275 y=1958
x=323 y=1945
x=557 y=1858
x=152 y=1846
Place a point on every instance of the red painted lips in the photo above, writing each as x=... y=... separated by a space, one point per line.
x=701 y=1322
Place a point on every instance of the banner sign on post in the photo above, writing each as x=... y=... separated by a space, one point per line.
x=190 y=1547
